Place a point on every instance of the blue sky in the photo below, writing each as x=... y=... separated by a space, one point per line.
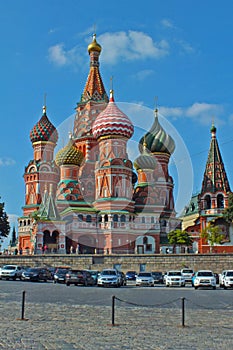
x=180 y=51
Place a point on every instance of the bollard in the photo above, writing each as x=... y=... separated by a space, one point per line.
x=182 y=303
x=113 y=310
x=23 y=308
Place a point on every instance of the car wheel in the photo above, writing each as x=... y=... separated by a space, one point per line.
x=45 y=280
x=214 y=287
x=196 y=287
x=76 y=284
x=68 y=284
x=224 y=287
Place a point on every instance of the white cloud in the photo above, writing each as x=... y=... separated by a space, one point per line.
x=7 y=161
x=204 y=113
x=58 y=55
x=131 y=45
x=143 y=74
x=185 y=46
x=167 y=23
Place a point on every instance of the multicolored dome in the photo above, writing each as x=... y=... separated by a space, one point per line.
x=112 y=121
x=157 y=139
x=94 y=46
x=69 y=155
x=44 y=130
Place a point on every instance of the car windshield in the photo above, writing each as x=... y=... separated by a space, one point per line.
x=229 y=273
x=174 y=273
x=9 y=267
x=157 y=273
x=32 y=270
x=187 y=271
x=144 y=274
x=205 y=274
x=108 y=272
x=61 y=270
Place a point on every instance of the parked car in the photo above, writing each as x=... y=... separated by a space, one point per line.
x=144 y=279
x=228 y=279
x=11 y=272
x=36 y=274
x=109 y=278
x=131 y=275
x=60 y=275
x=123 y=280
x=158 y=277
x=204 y=278
x=94 y=274
x=221 y=278
x=175 y=278
x=76 y=277
x=188 y=274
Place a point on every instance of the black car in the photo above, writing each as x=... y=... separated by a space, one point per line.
x=158 y=277
x=60 y=275
x=36 y=274
x=76 y=277
x=131 y=275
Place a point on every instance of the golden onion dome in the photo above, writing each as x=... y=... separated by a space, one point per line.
x=94 y=46
x=69 y=155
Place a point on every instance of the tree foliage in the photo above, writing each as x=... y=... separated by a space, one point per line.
x=228 y=212
x=13 y=240
x=180 y=237
x=4 y=223
x=212 y=234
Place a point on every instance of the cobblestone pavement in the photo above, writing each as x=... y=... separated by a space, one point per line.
x=85 y=327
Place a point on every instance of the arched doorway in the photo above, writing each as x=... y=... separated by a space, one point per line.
x=50 y=241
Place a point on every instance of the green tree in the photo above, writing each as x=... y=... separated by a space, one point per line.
x=212 y=234
x=13 y=240
x=180 y=238
x=4 y=223
x=228 y=212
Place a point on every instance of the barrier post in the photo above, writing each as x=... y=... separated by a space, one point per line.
x=23 y=308
x=113 y=310
x=182 y=303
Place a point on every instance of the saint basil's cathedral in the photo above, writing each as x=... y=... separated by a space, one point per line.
x=91 y=198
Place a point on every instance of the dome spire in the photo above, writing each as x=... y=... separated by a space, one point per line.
x=111 y=99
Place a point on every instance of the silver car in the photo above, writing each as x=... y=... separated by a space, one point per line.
x=145 y=279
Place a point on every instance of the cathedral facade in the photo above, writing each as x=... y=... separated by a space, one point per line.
x=90 y=197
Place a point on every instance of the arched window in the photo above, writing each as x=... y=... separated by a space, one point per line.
x=80 y=217
x=152 y=220
x=220 y=201
x=143 y=220
x=88 y=218
x=207 y=202
x=115 y=217
x=123 y=218
x=105 y=217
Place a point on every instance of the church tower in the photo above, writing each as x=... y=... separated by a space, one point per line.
x=41 y=173
x=113 y=173
x=93 y=100
x=213 y=198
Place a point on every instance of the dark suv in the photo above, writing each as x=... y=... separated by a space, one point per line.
x=36 y=274
x=76 y=277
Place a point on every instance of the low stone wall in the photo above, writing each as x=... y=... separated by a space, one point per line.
x=157 y=262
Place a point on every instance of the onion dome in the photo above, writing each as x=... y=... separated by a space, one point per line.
x=94 y=46
x=69 y=155
x=213 y=128
x=44 y=130
x=157 y=139
x=112 y=121
x=145 y=160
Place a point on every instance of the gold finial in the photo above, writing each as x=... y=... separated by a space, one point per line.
x=44 y=107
